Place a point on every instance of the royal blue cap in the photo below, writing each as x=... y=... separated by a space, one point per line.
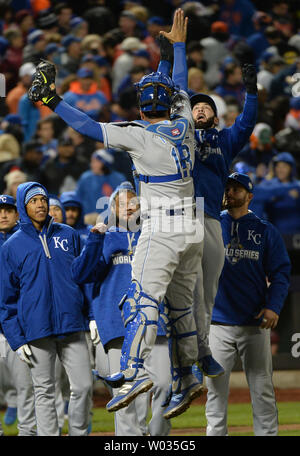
x=242 y=179
x=85 y=73
x=7 y=200
x=69 y=39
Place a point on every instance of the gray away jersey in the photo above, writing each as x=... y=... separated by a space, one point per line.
x=160 y=149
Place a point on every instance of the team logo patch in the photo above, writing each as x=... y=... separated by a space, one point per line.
x=175 y=132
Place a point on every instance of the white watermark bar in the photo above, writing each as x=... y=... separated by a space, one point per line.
x=296 y=347
x=2 y=86
x=165 y=215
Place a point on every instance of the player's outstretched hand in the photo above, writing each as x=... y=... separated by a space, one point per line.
x=249 y=78
x=179 y=28
x=100 y=228
x=270 y=318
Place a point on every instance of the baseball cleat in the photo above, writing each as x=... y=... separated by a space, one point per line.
x=10 y=416
x=210 y=367
x=115 y=380
x=127 y=393
x=180 y=402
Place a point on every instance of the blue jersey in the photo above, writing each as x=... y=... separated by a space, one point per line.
x=214 y=153
x=106 y=259
x=255 y=255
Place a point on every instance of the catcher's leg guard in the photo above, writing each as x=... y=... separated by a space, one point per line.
x=135 y=306
x=179 y=372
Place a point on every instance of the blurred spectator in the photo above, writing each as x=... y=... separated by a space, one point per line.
x=281 y=16
x=30 y=114
x=99 y=181
x=26 y=72
x=100 y=18
x=13 y=179
x=24 y=21
x=279 y=197
x=45 y=134
x=196 y=82
x=270 y=65
x=100 y=67
x=92 y=44
x=13 y=57
x=260 y=150
x=61 y=173
x=258 y=40
x=34 y=50
x=232 y=83
x=194 y=52
x=238 y=15
x=29 y=162
x=74 y=213
x=84 y=94
x=126 y=107
x=84 y=146
x=70 y=58
x=293 y=117
x=124 y=63
x=142 y=58
x=46 y=20
x=214 y=51
x=64 y=13
x=154 y=25
x=231 y=114
x=198 y=20
x=56 y=209
x=283 y=82
x=79 y=27
x=128 y=25
x=135 y=74
x=11 y=137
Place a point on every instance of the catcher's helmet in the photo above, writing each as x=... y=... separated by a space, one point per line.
x=155 y=92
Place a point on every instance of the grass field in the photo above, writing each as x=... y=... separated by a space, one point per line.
x=192 y=422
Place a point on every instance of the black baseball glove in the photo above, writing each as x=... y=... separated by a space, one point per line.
x=249 y=78
x=166 y=49
x=43 y=85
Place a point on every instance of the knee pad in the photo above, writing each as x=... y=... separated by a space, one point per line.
x=164 y=320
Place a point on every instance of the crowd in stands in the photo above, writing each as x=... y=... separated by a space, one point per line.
x=101 y=48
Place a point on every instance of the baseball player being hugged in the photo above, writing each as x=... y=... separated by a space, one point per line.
x=252 y=288
x=106 y=260
x=215 y=151
x=18 y=370
x=166 y=257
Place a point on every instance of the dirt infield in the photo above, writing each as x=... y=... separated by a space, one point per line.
x=236 y=396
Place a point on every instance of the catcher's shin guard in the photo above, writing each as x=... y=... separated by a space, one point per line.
x=178 y=371
x=134 y=314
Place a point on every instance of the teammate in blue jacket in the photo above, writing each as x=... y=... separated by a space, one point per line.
x=252 y=289
x=18 y=371
x=106 y=260
x=41 y=308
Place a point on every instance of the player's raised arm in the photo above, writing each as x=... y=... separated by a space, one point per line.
x=43 y=89
x=177 y=36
